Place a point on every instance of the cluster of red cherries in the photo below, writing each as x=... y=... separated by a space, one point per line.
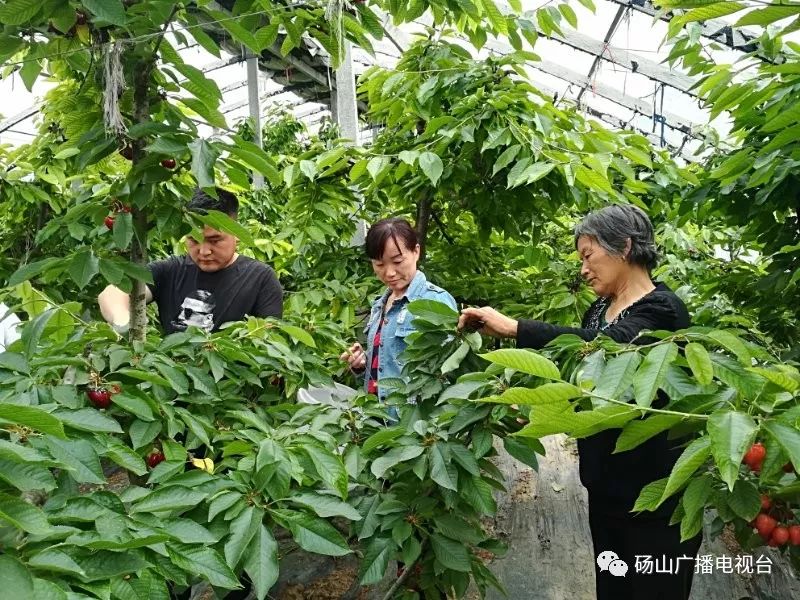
x=770 y=522
x=100 y=397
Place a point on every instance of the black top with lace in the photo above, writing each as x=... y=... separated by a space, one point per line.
x=614 y=480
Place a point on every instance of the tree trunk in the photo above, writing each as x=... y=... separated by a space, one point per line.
x=423 y=220
x=141 y=114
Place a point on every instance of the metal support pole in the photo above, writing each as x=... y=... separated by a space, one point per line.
x=255 y=110
x=345 y=109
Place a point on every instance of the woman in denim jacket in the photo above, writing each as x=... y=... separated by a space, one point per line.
x=393 y=248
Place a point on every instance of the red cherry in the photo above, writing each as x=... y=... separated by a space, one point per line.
x=766 y=503
x=99 y=397
x=780 y=535
x=155 y=458
x=794 y=535
x=765 y=525
x=109 y=222
x=168 y=163
x=756 y=455
x=124 y=209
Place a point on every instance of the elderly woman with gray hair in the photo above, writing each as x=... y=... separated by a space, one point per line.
x=617 y=251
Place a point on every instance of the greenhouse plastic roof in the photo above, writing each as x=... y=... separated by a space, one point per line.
x=611 y=67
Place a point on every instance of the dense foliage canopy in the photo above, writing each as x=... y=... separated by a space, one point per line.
x=493 y=173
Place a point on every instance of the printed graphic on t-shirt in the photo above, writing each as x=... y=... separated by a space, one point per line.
x=197 y=310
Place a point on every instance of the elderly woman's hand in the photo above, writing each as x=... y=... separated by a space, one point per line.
x=355 y=357
x=495 y=323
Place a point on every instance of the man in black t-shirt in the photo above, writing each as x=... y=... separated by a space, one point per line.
x=211 y=286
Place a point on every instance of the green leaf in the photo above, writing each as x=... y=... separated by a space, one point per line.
x=526 y=361
x=505 y=158
x=696 y=494
x=441 y=471
x=222 y=222
x=650 y=496
x=732 y=373
x=17 y=12
x=745 y=500
x=431 y=165
x=313 y=534
x=142 y=432
x=434 y=312
x=237 y=31
x=170 y=498
x=27 y=477
x=261 y=561
x=478 y=494
x=204 y=157
x=256 y=159
x=299 y=335
x=699 y=362
x=17 y=581
x=200 y=86
x=454 y=360
x=639 y=431
x=242 y=529
x=495 y=17
x=693 y=457
x=205 y=562
x=32 y=417
x=134 y=405
x=618 y=375
x=88 y=419
x=779 y=378
x=713 y=11
x=32 y=332
x=14 y=362
x=522 y=451
x=47 y=590
x=787 y=437
x=83 y=267
x=765 y=16
x=653 y=372
x=126 y=458
x=222 y=502
x=381 y=437
x=330 y=468
x=548 y=393
x=80 y=458
x=56 y=560
x=326 y=506
x=123 y=230
x=393 y=457
x=188 y=532
x=731 y=435
x=569 y=14
x=31 y=270
x=691 y=525
x=110 y=11
x=375 y=561
x=732 y=343
x=450 y=553
x=377 y=165
x=24 y=516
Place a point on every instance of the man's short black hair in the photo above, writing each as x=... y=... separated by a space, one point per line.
x=225 y=202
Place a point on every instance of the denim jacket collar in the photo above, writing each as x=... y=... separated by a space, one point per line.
x=415 y=289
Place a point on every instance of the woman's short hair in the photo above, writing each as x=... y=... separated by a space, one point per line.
x=382 y=231
x=614 y=225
